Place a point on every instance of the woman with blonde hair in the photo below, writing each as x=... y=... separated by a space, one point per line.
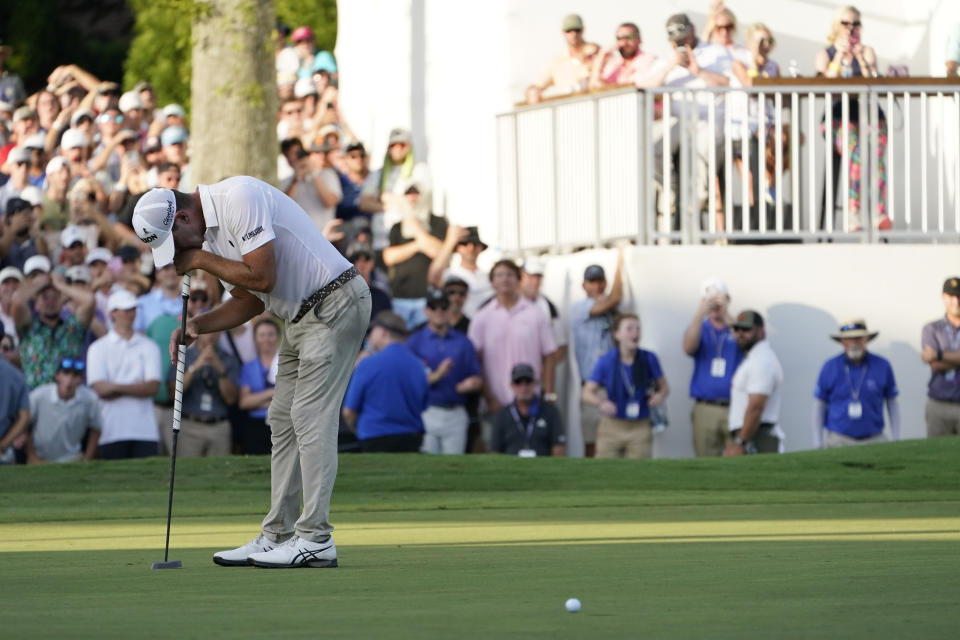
x=847 y=57
x=720 y=29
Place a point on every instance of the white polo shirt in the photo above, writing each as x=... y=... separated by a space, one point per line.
x=243 y=214
x=759 y=373
x=113 y=359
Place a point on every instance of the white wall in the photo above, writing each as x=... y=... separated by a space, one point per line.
x=804 y=294
x=447 y=67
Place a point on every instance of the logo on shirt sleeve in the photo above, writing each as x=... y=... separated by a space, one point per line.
x=252 y=234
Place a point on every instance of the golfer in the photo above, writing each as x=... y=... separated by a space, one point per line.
x=270 y=255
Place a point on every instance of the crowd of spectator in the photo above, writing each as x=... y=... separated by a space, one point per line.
x=458 y=359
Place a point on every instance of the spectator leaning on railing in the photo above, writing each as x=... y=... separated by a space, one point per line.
x=568 y=72
x=624 y=62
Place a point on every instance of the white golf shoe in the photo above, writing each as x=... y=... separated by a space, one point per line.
x=297 y=552
x=240 y=557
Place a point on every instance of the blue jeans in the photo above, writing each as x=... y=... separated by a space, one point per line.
x=411 y=310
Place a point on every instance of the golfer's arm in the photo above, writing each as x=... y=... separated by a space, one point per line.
x=242 y=306
x=257 y=272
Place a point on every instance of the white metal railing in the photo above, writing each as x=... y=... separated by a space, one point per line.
x=681 y=165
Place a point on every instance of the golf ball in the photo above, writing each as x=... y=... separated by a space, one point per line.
x=572 y=605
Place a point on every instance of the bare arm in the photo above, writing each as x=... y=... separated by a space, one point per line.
x=442 y=260
x=350 y=418
x=590 y=396
x=470 y=384
x=257 y=272
x=610 y=302
x=548 y=365
x=400 y=253
x=250 y=400
x=19 y=426
x=951 y=68
x=751 y=419
x=327 y=197
x=92 y=441
x=109 y=390
x=241 y=306
x=691 y=337
x=83 y=299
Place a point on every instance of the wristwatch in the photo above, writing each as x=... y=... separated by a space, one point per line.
x=550 y=397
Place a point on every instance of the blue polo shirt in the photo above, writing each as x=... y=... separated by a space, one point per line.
x=14 y=395
x=871 y=382
x=433 y=349
x=388 y=391
x=617 y=378
x=714 y=343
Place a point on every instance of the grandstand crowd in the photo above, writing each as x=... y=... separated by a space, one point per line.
x=457 y=359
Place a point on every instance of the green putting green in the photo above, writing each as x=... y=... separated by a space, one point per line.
x=855 y=543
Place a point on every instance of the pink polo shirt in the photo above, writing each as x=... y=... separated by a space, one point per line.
x=616 y=70
x=506 y=337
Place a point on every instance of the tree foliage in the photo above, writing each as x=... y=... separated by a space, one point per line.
x=161 y=48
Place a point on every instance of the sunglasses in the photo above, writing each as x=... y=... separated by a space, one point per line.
x=75 y=244
x=848 y=24
x=573 y=30
x=724 y=27
x=198 y=297
x=357 y=155
x=83 y=119
x=441 y=306
x=740 y=329
x=455 y=292
x=104 y=118
x=628 y=36
x=519 y=381
x=72 y=364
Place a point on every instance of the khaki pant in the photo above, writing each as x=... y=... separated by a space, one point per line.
x=711 y=430
x=618 y=438
x=165 y=427
x=943 y=418
x=315 y=362
x=834 y=440
x=203 y=439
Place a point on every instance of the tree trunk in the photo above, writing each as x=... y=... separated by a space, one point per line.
x=233 y=91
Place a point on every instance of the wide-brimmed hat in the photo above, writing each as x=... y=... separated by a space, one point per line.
x=855 y=328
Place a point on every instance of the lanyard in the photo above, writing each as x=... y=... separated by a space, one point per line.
x=719 y=337
x=525 y=428
x=855 y=393
x=628 y=380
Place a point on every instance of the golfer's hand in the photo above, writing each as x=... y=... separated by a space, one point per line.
x=192 y=334
x=184 y=260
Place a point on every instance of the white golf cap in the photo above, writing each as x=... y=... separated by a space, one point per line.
x=70 y=234
x=174 y=109
x=99 y=253
x=36 y=263
x=304 y=87
x=534 y=266
x=36 y=141
x=33 y=195
x=79 y=273
x=82 y=113
x=130 y=100
x=121 y=299
x=56 y=163
x=10 y=272
x=74 y=139
x=714 y=287
x=153 y=223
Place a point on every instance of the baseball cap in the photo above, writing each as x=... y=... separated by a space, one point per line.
x=571 y=22
x=36 y=263
x=456 y=281
x=951 y=286
x=534 y=266
x=19 y=154
x=173 y=135
x=174 y=109
x=678 y=26
x=473 y=237
x=398 y=135
x=121 y=299
x=10 y=272
x=56 y=163
x=79 y=273
x=126 y=253
x=390 y=321
x=36 y=141
x=302 y=33
x=522 y=371
x=304 y=87
x=714 y=287
x=437 y=299
x=6 y=106
x=16 y=205
x=71 y=234
x=23 y=113
x=82 y=113
x=143 y=85
x=357 y=249
x=594 y=273
x=130 y=100
x=101 y=254
x=33 y=195
x=152 y=144
x=355 y=145
x=322 y=146
x=748 y=320
x=324 y=61
x=74 y=139
x=153 y=222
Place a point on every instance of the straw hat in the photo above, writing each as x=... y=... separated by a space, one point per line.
x=855 y=328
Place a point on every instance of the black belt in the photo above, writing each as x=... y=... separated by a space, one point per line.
x=720 y=402
x=447 y=406
x=206 y=419
x=765 y=426
x=320 y=294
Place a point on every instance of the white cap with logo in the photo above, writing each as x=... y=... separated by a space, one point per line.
x=121 y=299
x=153 y=223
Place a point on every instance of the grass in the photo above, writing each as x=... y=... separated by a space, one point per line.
x=844 y=543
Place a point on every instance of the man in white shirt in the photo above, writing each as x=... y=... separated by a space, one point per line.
x=756 y=390
x=61 y=413
x=123 y=368
x=270 y=256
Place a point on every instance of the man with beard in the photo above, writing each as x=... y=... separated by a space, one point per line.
x=18 y=243
x=757 y=388
x=709 y=341
x=851 y=390
x=46 y=336
x=623 y=63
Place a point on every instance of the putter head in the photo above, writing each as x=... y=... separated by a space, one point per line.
x=173 y=564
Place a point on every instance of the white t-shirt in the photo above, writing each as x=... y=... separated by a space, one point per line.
x=759 y=373
x=480 y=290
x=710 y=57
x=113 y=359
x=243 y=214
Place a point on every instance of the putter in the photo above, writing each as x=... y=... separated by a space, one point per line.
x=177 y=408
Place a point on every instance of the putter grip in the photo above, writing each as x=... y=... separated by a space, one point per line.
x=181 y=354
